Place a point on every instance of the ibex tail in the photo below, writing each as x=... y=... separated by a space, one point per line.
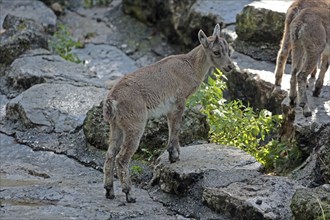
x=109 y=109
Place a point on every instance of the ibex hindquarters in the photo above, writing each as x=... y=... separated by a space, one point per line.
x=286 y=47
x=310 y=41
x=161 y=88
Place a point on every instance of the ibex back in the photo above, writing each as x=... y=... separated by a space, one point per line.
x=158 y=89
x=310 y=39
x=293 y=11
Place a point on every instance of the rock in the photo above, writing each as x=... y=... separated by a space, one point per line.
x=315 y=170
x=88 y=29
x=200 y=167
x=109 y=26
x=49 y=116
x=39 y=66
x=255 y=91
x=181 y=20
x=264 y=197
x=196 y=160
x=61 y=107
x=108 y=62
x=259 y=28
x=312 y=203
x=20 y=35
x=311 y=135
x=29 y=9
x=195 y=128
x=44 y=185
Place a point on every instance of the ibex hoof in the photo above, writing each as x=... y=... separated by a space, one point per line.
x=276 y=89
x=292 y=101
x=316 y=92
x=307 y=113
x=174 y=159
x=130 y=199
x=109 y=195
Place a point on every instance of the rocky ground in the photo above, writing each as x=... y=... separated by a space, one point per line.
x=50 y=168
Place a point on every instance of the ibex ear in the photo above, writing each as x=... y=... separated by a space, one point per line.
x=217 y=30
x=203 y=39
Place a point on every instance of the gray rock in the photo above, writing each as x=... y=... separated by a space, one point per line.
x=264 y=69
x=312 y=203
x=315 y=170
x=61 y=107
x=200 y=167
x=110 y=26
x=39 y=66
x=195 y=160
x=256 y=89
x=87 y=28
x=44 y=185
x=181 y=20
x=30 y=9
x=264 y=197
x=50 y=117
x=194 y=129
x=108 y=62
x=19 y=36
x=259 y=29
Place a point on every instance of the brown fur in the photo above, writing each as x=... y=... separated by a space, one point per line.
x=161 y=88
x=286 y=47
x=310 y=40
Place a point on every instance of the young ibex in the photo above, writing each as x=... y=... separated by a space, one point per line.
x=161 y=88
x=310 y=39
x=285 y=49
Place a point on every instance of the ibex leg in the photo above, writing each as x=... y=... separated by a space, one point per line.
x=115 y=141
x=133 y=131
x=325 y=61
x=174 y=120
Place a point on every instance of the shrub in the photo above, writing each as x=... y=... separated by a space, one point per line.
x=233 y=123
x=62 y=43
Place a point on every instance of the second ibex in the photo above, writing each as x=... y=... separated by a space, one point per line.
x=159 y=89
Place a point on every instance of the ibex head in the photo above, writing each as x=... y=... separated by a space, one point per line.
x=216 y=49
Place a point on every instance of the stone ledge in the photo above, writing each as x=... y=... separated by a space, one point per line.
x=196 y=160
x=264 y=197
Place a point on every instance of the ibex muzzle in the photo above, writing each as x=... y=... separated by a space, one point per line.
x=158 y=89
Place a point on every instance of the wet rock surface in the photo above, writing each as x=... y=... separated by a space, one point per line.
x=45 y=185
x=49 y=169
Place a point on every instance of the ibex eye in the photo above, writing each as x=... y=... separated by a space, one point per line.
x=217 y=53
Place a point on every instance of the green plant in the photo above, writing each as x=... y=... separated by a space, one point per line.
x=62 y=43
x=281 y=157
x=136 y=170
x=233 y=123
